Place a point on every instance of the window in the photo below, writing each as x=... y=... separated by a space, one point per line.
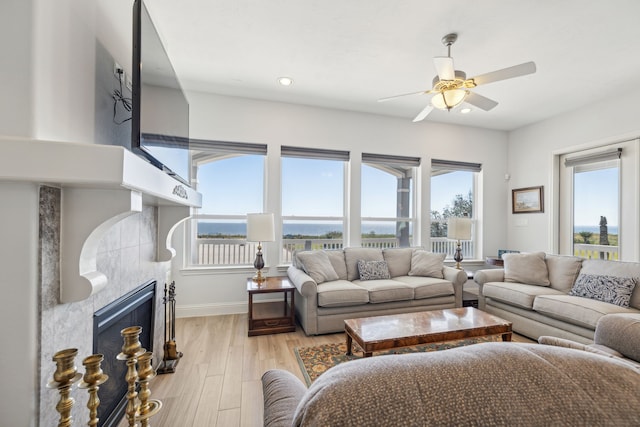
x=387 y=200
x=453 y=194
x=592 y=214
x=230 y=177
x=313 y=211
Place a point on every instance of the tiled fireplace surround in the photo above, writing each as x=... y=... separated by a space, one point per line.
x=126 y=255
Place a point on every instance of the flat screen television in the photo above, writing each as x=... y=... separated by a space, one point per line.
x=160 y=111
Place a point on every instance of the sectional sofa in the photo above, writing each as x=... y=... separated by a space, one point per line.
x=561 y=296
x=334 y=285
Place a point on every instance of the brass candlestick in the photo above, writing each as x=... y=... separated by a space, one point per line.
x=63 y=378
x=92 y=379
x=148 y=407
x=131 y=350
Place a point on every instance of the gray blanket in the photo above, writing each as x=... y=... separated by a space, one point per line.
x=505 y=384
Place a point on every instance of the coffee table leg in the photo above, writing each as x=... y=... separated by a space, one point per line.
x=349 y=343
x=506 y=337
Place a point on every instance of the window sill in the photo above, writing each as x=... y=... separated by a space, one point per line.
x=197 y=270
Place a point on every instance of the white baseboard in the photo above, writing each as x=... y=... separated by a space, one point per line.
x=198 y=310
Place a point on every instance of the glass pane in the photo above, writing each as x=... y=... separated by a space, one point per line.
x=595 y=212
x=387 y=234
x=312 y=187
x=310 y=235
x=223 y=242
x=380 y=194
x=232 y=186
x=451 y=196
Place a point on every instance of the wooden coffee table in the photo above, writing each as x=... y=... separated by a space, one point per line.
x=403 y=330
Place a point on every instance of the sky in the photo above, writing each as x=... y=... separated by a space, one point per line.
x=596 y=194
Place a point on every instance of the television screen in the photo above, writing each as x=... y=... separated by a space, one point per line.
x=160 y=111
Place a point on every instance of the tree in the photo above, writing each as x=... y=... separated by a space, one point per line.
x=586 y=236
x=460 y=207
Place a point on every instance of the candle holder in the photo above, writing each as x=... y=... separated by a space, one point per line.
x=148 y=407
x=131 y=350
x=63 y=378
x=93 y=378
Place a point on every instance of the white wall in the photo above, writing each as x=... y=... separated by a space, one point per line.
x=275 y=124
x=530 y=158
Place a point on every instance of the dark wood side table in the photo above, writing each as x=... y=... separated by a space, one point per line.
x=495 y=261
x=271 y=317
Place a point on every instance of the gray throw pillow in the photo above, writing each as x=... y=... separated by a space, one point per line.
x=373 y=270
x=611 y=289
x=527 y=268
x=427 y=264
x=317 y=265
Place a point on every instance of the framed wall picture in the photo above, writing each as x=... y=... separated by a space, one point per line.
x=527 y=200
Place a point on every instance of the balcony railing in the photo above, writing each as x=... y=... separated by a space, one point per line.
x=595 y=251
x=241 y=252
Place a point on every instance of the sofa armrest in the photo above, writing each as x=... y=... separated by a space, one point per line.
x=282 y=391
x=489 y=275
x=306 y=286
x=620 y=332
x=458 y=278
x=485 y=276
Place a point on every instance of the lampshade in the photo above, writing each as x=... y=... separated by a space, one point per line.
x=449 y=98
x=459 y=228
x=260 y=227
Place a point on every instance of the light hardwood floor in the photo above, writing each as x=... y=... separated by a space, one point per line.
x=217 y=382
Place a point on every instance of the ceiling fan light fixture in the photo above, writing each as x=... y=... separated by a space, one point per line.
x=448 y=99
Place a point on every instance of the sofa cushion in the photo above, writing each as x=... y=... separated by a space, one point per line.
x=617 y=269
x=427 y=287
x=373 y=270
x=576 y=310
x=528 y=268
x=517 y=294
x=352 y=255
x=563 y=271
x=614 y=290
x=398 y=260
x=341 y=293
x=317 y=265
x=386 y=290
x=427 y=264
x=336 y=257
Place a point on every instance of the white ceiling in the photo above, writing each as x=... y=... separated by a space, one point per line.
x=348 y=53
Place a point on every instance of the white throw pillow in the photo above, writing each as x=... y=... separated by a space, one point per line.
x=427 y=264
x=527 y=268
x=317 y=265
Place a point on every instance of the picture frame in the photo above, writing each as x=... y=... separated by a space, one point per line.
x=527 y=200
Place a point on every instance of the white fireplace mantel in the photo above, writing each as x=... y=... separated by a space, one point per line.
x=101 y=185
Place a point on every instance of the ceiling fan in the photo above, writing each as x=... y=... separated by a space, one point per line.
x=451 y=86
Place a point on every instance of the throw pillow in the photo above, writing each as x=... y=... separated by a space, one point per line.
x=427 y=264
x=611 y=289
x=317 y=265
x=373 y=270
x=527 y=268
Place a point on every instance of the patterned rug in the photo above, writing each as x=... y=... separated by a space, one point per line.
x=315 y=360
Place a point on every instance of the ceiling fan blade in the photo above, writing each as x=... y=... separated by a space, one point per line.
x=480 y=101
x=399 y=96
x=505 y=73
x=444 y=67
x=424 y=113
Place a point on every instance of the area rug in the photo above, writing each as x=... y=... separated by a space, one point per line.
x=315 y=360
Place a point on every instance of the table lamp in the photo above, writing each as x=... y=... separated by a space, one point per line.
x=458 y=229
x=260 y=229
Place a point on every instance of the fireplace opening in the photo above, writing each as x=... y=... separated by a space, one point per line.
x=137 y=308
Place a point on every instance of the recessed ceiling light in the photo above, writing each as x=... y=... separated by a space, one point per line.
x=285 y=81
x=465 y=111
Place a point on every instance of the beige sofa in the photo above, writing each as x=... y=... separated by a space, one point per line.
x=561 y=296
x=331 y=286
x=498 y=383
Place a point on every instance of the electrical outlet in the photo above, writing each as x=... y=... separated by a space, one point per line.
x=118 y=71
